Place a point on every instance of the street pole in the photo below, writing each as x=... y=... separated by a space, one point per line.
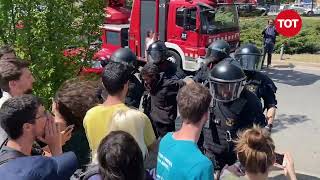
x=282 y=52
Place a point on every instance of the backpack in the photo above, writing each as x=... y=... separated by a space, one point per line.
x=8 y=154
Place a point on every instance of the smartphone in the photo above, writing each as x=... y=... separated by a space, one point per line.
x=279 y=158
x=69 y=128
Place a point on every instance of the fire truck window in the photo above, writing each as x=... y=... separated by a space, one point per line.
x=113 y=38
x=192 y=21
x=179 y=18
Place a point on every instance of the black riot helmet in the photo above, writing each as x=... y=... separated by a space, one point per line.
x=217 y=51
x=157 y=52
x=125 y=56
x=249 y=57
x=226 y=80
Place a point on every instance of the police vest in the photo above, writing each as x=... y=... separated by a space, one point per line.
x=263 y=87
x=223 y=125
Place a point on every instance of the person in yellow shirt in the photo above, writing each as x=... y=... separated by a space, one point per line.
x=97 y=121
x=138 y=125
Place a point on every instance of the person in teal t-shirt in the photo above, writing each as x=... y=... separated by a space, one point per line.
x=179 y=156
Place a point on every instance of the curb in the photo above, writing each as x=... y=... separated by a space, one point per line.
x=293 y=64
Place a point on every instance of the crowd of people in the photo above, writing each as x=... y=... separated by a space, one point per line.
x=152 y=123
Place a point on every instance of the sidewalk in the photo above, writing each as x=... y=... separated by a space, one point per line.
x=312 y=62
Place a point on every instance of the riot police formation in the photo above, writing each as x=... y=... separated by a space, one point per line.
x=157 y=53
x=217 y=51
x=233 y=108
x=136 y=88
x=250 y=59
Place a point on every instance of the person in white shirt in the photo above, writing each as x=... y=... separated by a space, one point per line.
x=149 y=40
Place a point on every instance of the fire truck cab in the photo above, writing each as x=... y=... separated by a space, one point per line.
x=186 y=26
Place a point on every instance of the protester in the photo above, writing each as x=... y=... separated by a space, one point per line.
x=163 y=92
x=127 y=57
x=97 y=121
x=40 y=168
x=15 y=79
x=137 y=125
x=70 y=104
x=151 y=36
x=179 y=156
x=25 y=120
x=256 y=152
x=269 y=40
x=119 y=158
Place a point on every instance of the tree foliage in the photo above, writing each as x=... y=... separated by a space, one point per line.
x=41 y=30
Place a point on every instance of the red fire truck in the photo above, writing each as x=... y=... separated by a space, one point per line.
x=186 y=26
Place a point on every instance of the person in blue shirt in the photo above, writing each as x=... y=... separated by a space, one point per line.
x=179 y=156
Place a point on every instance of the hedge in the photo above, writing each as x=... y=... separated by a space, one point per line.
x=307 y=41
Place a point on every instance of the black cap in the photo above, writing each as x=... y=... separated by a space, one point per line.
x=227 y=71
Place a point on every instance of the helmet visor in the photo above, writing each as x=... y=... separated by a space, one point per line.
x=226 y=92
x=250 y=62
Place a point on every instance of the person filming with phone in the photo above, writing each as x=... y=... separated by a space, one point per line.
x=255 y=150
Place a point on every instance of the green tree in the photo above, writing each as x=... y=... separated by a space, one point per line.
x=41 y=30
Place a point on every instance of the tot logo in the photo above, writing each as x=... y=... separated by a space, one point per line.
x=288 y=23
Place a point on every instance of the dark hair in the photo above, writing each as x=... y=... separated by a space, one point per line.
x=10 y=70
x=148 y=32
x=255 y=150
x=193 y=102
x=115 y=76
x=270 y=20
x=150 y=70
x=17 y=111
x=74 y=98
x=5 y=51
x=120 y=157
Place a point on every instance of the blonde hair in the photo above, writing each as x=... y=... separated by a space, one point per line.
x=133 y=122
x=255 y=150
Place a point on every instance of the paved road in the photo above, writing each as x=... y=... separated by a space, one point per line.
x=297 y=126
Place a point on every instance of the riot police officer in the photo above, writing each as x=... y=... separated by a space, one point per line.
x=250 y=59
x=233 y=108
x=136 y=88
x=157 y=53
x=217 y=51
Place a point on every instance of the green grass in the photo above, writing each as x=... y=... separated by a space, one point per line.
x=307 y=58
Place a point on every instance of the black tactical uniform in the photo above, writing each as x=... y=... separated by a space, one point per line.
x=249 y=57
x=163 y=112
x=136 y=88
x=233 y=108
x=157 y=53
x=217 y=51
